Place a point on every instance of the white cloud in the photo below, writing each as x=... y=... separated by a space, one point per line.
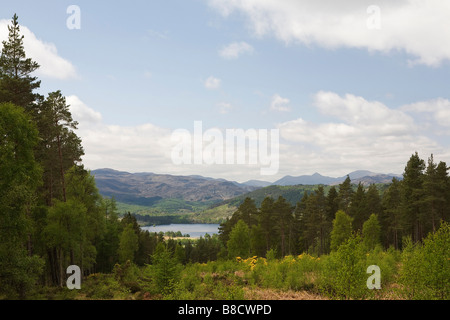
x=365 y=135
x=224 y=107
x=81 y=112
x=421 y=28
x=141 y=148
x=374 y=116
x=361 y=134
x=439 y=109
x=212 y=83
x=44 y=53
x=236 y=49
x=148 y=148
x=279 y=104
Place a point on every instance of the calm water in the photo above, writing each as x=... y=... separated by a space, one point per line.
x=194 y=230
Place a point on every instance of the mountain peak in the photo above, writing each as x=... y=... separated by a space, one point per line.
x=362 y=173
x=365 y=176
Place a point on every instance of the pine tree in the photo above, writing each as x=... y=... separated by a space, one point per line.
x=345 y=194
x=443 y=189
x=435 y=188
x=248 y=211
x=284 y=223
x=391 y=219
x=332 y=203
x=373 y=200
x=413 y=197
x=267 y=220
x=317 y=226
x=258 y=245
x=16 y=82
x=60 y=148
x=358 y=209
x=165 y=269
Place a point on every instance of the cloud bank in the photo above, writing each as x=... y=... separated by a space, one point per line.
x=362 y=134
x=400 y=25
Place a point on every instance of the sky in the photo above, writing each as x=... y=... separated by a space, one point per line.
x=339 y=85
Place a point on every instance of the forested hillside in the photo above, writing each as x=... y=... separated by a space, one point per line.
x=149 y=188
x=412 y=207
x=52 y=216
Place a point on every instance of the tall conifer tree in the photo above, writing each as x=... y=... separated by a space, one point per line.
x=16 y=82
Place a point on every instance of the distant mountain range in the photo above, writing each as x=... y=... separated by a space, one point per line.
x=363 y=176
x=147 y=189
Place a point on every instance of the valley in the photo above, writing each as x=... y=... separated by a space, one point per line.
x=165 y=199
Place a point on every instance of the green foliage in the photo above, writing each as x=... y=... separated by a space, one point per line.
x=292 y=194
x=19 y=177
x=108 y=246
x=437 y=262
x=51 y=215
x=283 y=227
x=239 y=242
x=66 y=222
x=413 y=197
x=342 y=229
x=344 y=271
x=214 y=214
x=19 y=272
x=99 y=286
x=271 y=254
x=425 y=272
x=359 y=210
x=16 y=82
x=388 y=262
x=165 y=269
x=371 y=232
x=345 y=195
x=128 y=244
x=172 y=210
x=289 y=273
x=314 y=222
x=205 y=249
x=212 y=281
x=391 y=218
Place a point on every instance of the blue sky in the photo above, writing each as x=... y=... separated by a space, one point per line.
x=344 y=96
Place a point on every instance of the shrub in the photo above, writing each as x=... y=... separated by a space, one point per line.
x=104 y=287
x=343 y=273
x=425 y=272
x=166 y=269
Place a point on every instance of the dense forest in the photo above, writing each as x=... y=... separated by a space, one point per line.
x=52 y=216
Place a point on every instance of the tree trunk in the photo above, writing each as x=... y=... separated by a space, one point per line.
x=61 y=274
x=61 y=168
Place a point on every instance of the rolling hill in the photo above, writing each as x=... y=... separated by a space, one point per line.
x=175 y=192
x=203 y=199
x=363 y=176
